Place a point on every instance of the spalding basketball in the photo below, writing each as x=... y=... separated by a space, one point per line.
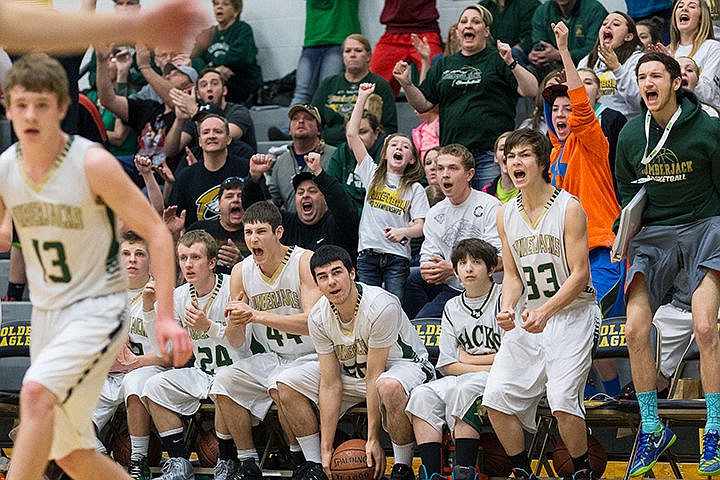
x=207 y=448
x=494 y=462
x=562 y=463
x=349 y=462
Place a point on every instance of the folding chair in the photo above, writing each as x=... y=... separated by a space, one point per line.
x=609 y=343
x=14 y=361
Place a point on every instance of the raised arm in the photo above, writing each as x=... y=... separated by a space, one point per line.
x=352 y=129
x=24 y=27
x=561 y=38
x=414 y=96
x=527 y=83
x=107 y=97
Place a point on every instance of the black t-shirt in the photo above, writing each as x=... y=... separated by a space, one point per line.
x=221 y=236
x=196 y=189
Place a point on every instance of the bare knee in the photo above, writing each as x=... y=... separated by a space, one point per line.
x=37 y=397
x=74 y=461
x=392 y=394
x=637 y=331
x=286 y=395
x=706 y=335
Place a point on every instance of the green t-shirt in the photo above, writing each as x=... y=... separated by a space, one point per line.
x=476 y=96
x=130 y=145
x=335 y=97
x=328 y=22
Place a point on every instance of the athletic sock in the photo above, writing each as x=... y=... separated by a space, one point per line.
x=521 y=461
x=296 y=455
x=430 y=454
x=139 y=445
x=649 y=411
x=249 y=454
x=310 y=446
x=174 y=443
x=466 y=451
x=712 y=403
x=15 y=290
x=226 y=447
x=404 y=453
x=581 y=463
x=612 y=386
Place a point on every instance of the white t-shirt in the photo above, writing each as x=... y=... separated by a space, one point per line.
x=619 y=88
x=140 y=342
x=379 y=323
x=387 y=210
x=446 y=224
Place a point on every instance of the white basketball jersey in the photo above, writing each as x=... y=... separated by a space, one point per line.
x=140 y=343
x=281 y=295
x=539 y=250
x=69 y=240
x=210 y=353
x=472 y=324
x=380 y=322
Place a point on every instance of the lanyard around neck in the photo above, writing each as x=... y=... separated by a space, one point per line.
x=647 y=158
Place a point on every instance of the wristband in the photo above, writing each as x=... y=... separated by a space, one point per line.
x=513 y=64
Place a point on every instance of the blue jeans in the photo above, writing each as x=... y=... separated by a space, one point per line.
x=375 y=268
x=425 y=300
x=486 y=170
x=316 y=63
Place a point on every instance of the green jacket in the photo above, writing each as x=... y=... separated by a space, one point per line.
x=686 y=171
x=583 y=24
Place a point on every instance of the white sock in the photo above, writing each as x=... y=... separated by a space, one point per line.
x=310 y=446
x=139 y=445
x=223 y=436
x=248 y=454
x=404 y=453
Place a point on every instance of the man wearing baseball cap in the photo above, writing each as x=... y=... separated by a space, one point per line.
x=305 y=130
x=324 y=213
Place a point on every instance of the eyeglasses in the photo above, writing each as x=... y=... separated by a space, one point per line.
x=233 y=179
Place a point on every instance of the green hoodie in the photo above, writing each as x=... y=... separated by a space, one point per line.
x=686 y=171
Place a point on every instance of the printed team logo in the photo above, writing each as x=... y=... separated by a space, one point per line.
x=666 y=167
x=208 y=204
x=464 y=77
x=579 y=31
x=478 y=211
x=440 y=218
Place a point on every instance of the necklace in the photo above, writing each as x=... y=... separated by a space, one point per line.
x=350 y=328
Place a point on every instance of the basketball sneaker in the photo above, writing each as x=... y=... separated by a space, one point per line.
x=138 y=468
x=463 y=473
x=310 y=471
x=248 y=470
x=650 y=447
x=523 y=474
x=401 y=472
x=225 y=469
x=584 y=474
x=710 y=459
x=177 y=468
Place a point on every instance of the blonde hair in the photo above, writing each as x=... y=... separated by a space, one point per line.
x=38 y=72
x=704 y=31
x=360 y=39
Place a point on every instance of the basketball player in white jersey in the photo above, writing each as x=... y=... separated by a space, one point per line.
x=200 y=308
x=273 y=291
x=137 y=361
x=547 y=281
x=368 y=351
x=64 y=193
x=469 y=340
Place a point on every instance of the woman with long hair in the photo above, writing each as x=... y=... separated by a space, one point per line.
x=614 y=57
x=691 y=35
